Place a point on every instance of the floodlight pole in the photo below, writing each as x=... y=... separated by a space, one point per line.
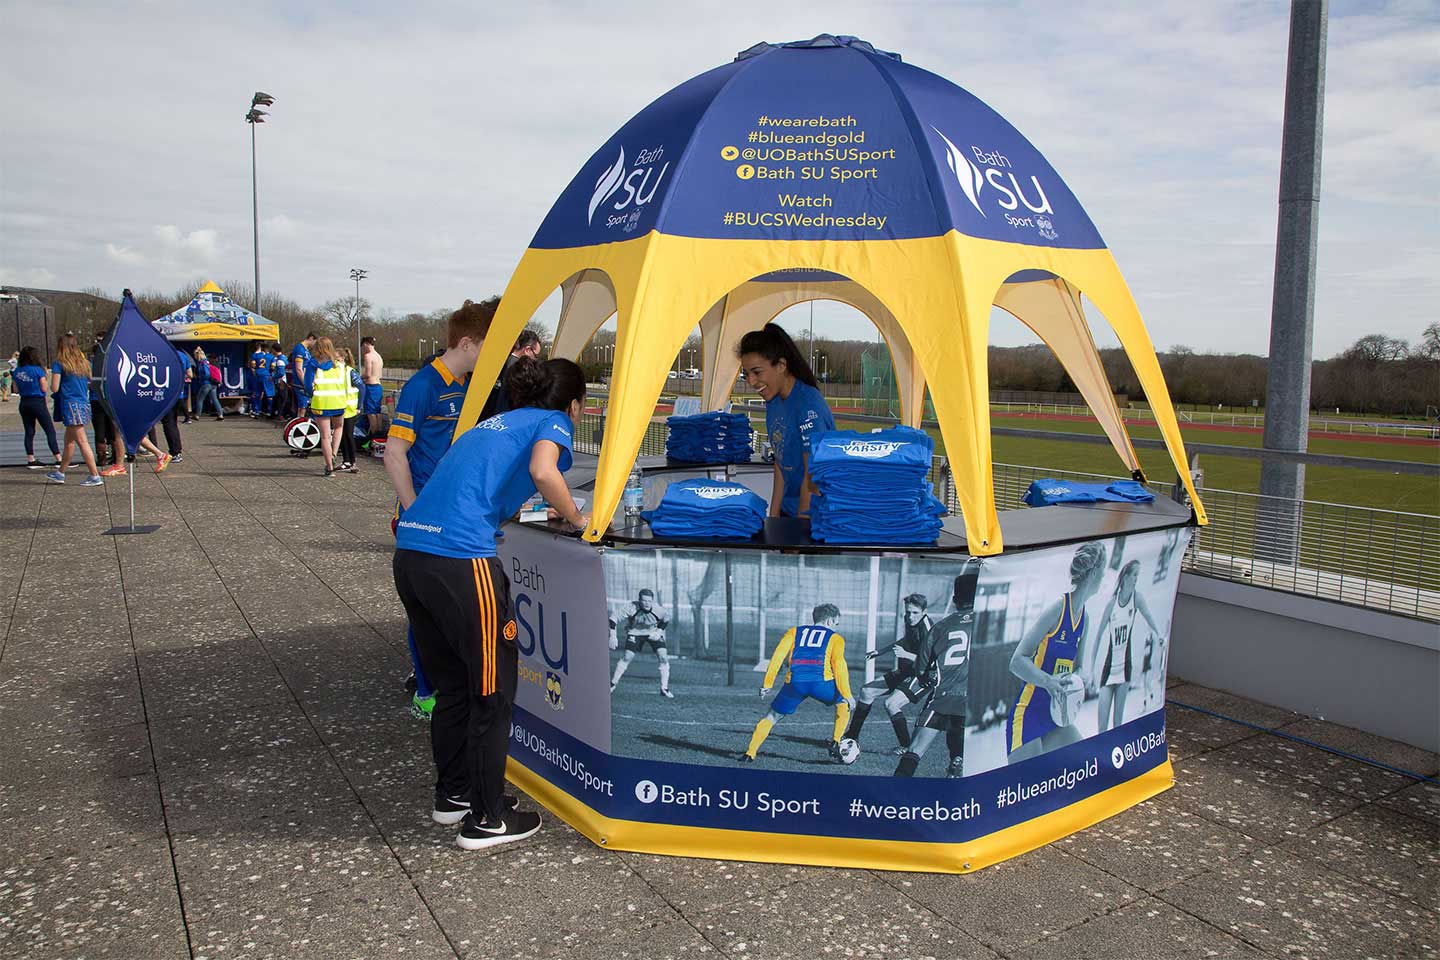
x=256 y=115
x=357 y=275
x=255 y=216
x=1292 y=311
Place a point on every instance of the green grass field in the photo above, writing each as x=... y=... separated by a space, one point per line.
x=1365 y=488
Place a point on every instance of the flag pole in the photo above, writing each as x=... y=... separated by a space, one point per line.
x=131 y=473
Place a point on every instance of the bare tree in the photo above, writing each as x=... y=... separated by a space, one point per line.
x=1429 y=347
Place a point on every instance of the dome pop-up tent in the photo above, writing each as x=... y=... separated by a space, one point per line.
x=212 y=315
x=227 y=332
x=826 y=169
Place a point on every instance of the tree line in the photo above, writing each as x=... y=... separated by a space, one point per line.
x=1377 y=374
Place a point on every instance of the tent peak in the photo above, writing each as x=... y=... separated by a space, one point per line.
x=210 y=287
x=817 y=42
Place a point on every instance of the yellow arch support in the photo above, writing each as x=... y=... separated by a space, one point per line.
x=939 y=291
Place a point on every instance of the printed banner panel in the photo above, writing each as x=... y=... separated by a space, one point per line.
x=987 y=692
x=559 y=597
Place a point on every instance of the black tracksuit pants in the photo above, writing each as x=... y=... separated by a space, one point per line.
x=465 y=631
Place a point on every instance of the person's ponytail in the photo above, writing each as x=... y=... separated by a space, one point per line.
x=774 y=344
x=547 y=384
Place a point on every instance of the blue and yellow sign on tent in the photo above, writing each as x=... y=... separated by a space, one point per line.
x=826 y=169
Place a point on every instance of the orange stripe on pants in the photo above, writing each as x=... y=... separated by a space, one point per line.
x=492 y=622
x=485 y=617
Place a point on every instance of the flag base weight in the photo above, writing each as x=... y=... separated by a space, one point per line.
x=126 y=531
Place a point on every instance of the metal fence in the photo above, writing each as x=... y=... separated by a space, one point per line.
x=1355 y=428
x=1383 y=559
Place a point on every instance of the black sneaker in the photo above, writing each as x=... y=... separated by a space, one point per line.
x=834 y=750
x=514 y=825
x=451 y=810
x=178 y=458
x=744 y=758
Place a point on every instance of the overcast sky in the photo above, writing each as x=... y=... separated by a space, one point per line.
x=425 y=141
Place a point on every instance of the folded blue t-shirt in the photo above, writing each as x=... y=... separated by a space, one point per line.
x=1048 y=492
x=707 y=508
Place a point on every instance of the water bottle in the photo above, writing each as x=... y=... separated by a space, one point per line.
x=634 y=498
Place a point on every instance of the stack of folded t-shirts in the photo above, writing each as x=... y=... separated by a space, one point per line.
x=710 y=438
x=710 y=509
x=874 y=487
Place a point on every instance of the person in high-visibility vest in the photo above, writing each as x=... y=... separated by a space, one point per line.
x=353 y=393
x=326 y=383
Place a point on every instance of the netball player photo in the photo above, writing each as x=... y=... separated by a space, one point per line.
x=1116 y=643
x=1046 y=661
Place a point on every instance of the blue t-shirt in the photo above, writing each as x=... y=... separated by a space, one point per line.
x=304 y=355
x=790 y=422
x=277 y=367
x=186 y=363
x=262 y=363
x=29 y=380
x=482 y=481
x=74 y=387
x=425 y=415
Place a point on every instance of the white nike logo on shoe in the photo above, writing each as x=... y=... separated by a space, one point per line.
x=493 y=831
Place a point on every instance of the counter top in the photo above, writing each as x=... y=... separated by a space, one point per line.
x=1024 y=528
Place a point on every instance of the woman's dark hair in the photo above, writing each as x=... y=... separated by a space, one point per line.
x=774 y=344
x=29 y=357
x=547 y=384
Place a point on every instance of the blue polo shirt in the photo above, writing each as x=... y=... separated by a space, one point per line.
x=304 y=354
x=482 y=482
x=186 y=363
x=790 y=422
x=425 y=415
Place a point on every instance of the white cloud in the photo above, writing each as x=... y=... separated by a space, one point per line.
x=128 y=256
x=279 y=227
x=26 y=277
x=198 y=247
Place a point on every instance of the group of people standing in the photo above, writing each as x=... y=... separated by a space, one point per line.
x=322 y=381
x=72 y=386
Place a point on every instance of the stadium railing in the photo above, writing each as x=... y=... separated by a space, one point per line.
x=1355 y=428
x=1382 y=559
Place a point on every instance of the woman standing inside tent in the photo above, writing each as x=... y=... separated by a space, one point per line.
x=794 y=411
x=326 y=383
